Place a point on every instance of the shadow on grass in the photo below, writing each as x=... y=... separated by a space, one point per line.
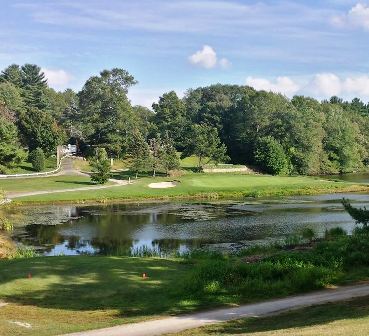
x=86 y=283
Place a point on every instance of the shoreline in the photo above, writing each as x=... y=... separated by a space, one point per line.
x=206 y=196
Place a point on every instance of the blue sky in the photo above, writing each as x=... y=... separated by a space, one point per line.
x=318 y=48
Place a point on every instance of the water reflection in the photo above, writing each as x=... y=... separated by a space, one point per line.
x=167 y=227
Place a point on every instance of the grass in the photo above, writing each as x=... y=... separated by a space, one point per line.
x=195 y=186
x=340 y=319
x=66 y=294
x=26 y=167
x=44 y=183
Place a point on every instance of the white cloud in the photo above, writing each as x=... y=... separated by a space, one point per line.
x=357 y=16
x=326 y=84
x=284 y=85
x=146 y=97
x=207 y=58
x=357 y=85
x=224 y=63
x=57 y=78
x=320 y=86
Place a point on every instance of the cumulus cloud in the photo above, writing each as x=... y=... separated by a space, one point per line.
x=57 y=78
x=326 y=84
x=284 y=85
x=321 y=85
x=207 y=58
x=357 y=16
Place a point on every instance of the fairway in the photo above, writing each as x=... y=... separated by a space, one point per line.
x=190 y=186
x=44 y=183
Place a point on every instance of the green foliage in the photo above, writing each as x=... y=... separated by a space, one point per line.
x=270 y=155
x=24 y=252
x=334 y=233
x=169 y=157
x=308 y=234
x=361 y=215
x=204 y=142
x=100 y=164
x=37 y=158
x=139 y=153
x=11 y=152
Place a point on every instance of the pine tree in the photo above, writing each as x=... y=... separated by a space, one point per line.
x=139 y=152
x=100 y=164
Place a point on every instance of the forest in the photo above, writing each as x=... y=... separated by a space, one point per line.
x=221 y=123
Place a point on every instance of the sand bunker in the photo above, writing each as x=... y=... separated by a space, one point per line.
x=162 y=185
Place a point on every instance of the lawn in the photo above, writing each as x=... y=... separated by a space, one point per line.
x=44 y=183
x=339 y=319
x=26 y=167
x=66 y=294
x=199 y=185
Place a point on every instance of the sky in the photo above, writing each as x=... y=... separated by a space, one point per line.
x=315 y=48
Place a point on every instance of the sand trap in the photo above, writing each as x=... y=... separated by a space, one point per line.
x=162 y=185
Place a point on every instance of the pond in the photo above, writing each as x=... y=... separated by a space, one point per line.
x=182 y=226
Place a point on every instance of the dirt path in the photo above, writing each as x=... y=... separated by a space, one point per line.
x=180 y=323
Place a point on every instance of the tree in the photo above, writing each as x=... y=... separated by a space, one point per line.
x=12 y=74
x=360 y=215
x=204 y=142
x=100 y=164
x=169 y=157
x=106 y=116
x=11 y=152
x=37 y=158
x=139 y=152
x=170 y=117
x=270 y=156
x=40 y=130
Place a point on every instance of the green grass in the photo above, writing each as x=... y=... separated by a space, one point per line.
x=65 y=294
x=26 y=167
x=196 y=186
x=339 y=319
x=44 y=183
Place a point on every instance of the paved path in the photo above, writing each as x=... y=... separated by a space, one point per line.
x=180 y=323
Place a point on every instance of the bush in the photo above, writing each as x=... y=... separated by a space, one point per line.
x=308 y=234
x=334 y=233
x=37 y=158
x=270 y=156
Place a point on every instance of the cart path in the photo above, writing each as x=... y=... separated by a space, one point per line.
x=190 y=321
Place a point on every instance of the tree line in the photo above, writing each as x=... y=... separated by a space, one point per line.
x=220 y=123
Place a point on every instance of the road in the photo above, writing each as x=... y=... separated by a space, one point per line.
x=184 y=322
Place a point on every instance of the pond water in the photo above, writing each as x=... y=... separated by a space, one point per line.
x=182 y=226
x=354 y=177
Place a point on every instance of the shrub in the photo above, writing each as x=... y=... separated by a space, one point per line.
x=308 y=234
x=270 y=156
x=37 y=158
x=334 y=233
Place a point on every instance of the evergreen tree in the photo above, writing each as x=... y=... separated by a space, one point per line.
x=100 y=164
